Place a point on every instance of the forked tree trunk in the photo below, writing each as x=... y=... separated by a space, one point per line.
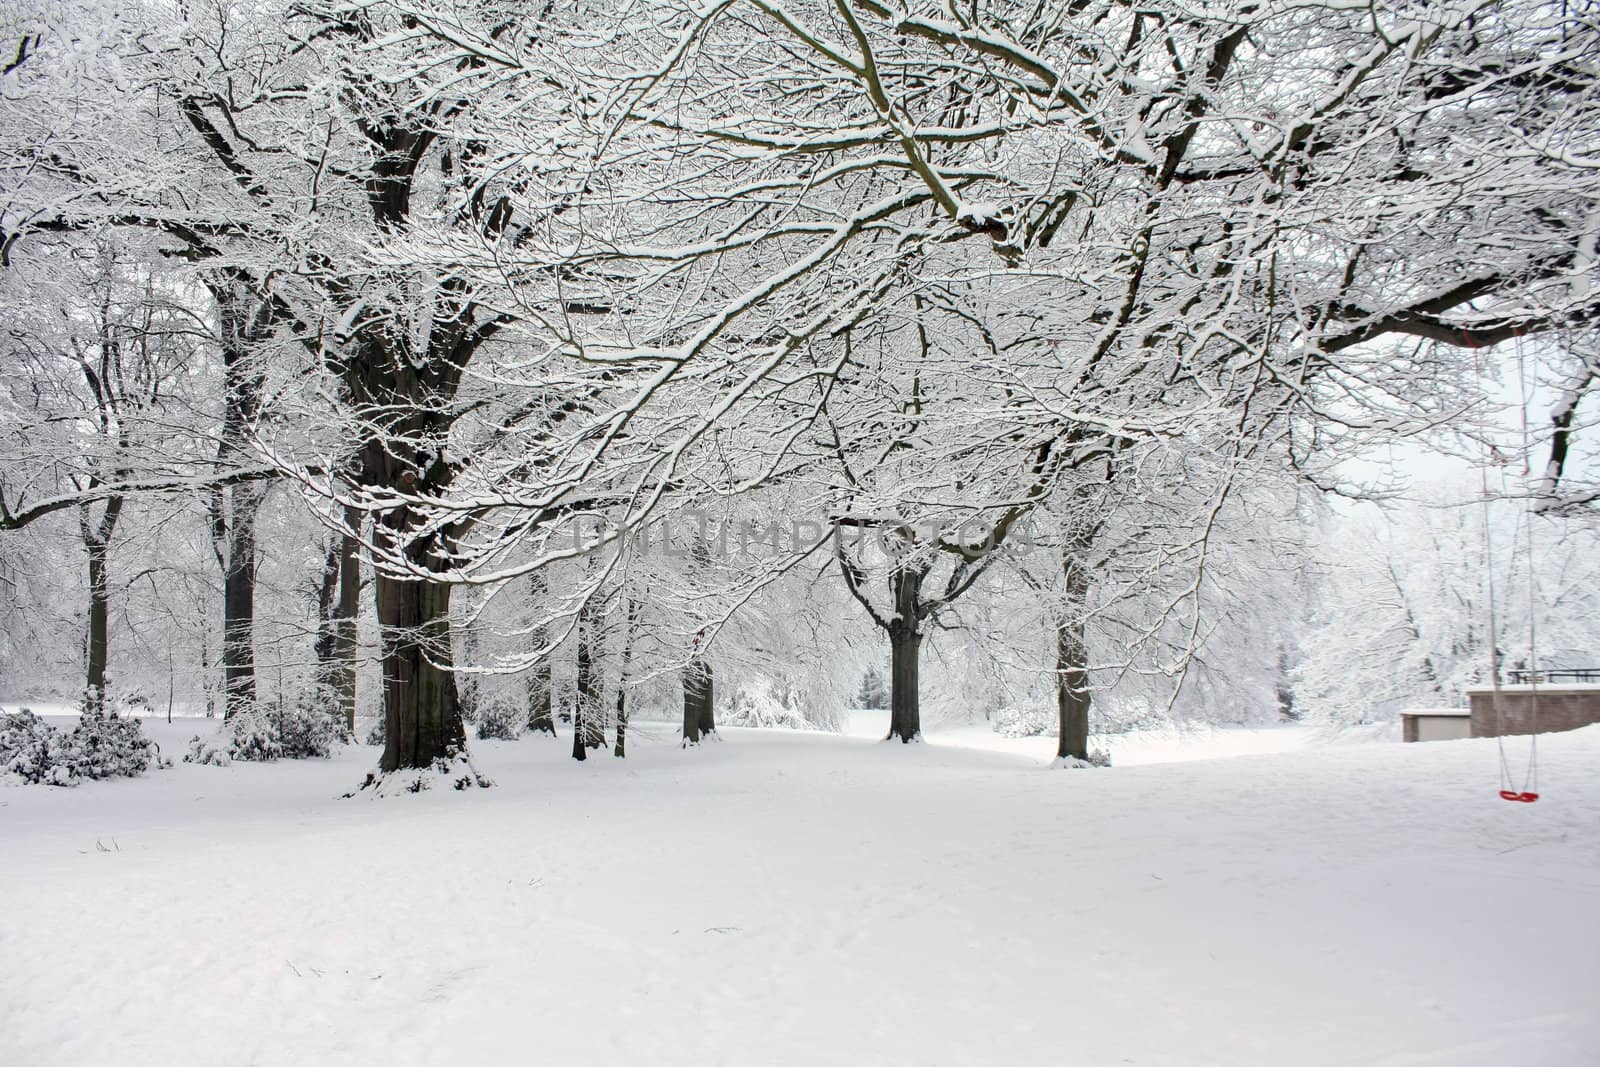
x=97 y=642
x=245 y=323
x=422 y=717
x=1072 y=665
x=905 y=648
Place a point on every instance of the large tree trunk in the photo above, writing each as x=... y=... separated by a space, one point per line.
x=708 y=702
x=580 y=751
x=699 y=693
x=1072 y=664
x=239 y=600
x=905 y=647
x=696 y=695
x=540 y=678
x=97 y=644
x=99 y=640
x=246 y=321
x=541 y=698
x=905 y=714
x=422 y=717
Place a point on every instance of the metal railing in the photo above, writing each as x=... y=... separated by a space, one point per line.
x=1574 y=674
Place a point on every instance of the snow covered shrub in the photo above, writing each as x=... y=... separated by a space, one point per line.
x=874 y=693
x=103 y=744
x=1098 y=757
x=500 y=719
x=106 y=744
x=247 y=736
x=306 y=730
x=312 y=728
x=204 y=752
x=1024 y=722
x=25 y=744
x=379 y=734
x=761 y=702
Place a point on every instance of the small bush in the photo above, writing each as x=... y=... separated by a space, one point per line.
x=500 y=719
x=1098 y=757
x=103 y=744
x=764 y=703
x=305 y=730
x=312 y=728
x=248 y=736
x=25 y=748
x=1023 y=722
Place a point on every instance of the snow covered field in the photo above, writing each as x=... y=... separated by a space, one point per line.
x=804 y=898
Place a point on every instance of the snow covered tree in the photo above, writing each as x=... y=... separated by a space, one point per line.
x=98 y=399
x=944 y=267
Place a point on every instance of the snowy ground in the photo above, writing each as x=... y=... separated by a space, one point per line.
x=1170 y=744
x=813 y=899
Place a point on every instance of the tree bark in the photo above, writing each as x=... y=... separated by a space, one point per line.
x=696 y=698
x=541 y=698
x=97 y=645
x=239 y=601
x=99 y=640
x=620 y=751
x=246 y=321
x=580 y=751
x=905 y=714
x=905 y=648
x=540 y=679
x=421 y=711
x=708 y=702
x=699 y=691
x=1073 y=697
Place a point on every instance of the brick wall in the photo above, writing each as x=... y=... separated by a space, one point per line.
x=1560 y=708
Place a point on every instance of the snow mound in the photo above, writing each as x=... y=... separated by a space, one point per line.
x=457 y=772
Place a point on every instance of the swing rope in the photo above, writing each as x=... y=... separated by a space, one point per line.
x=1529 y=792
x=1530 y=777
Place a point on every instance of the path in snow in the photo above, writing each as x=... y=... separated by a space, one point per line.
x=811 y=899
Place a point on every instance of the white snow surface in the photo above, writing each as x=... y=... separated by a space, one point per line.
x=801 y=898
